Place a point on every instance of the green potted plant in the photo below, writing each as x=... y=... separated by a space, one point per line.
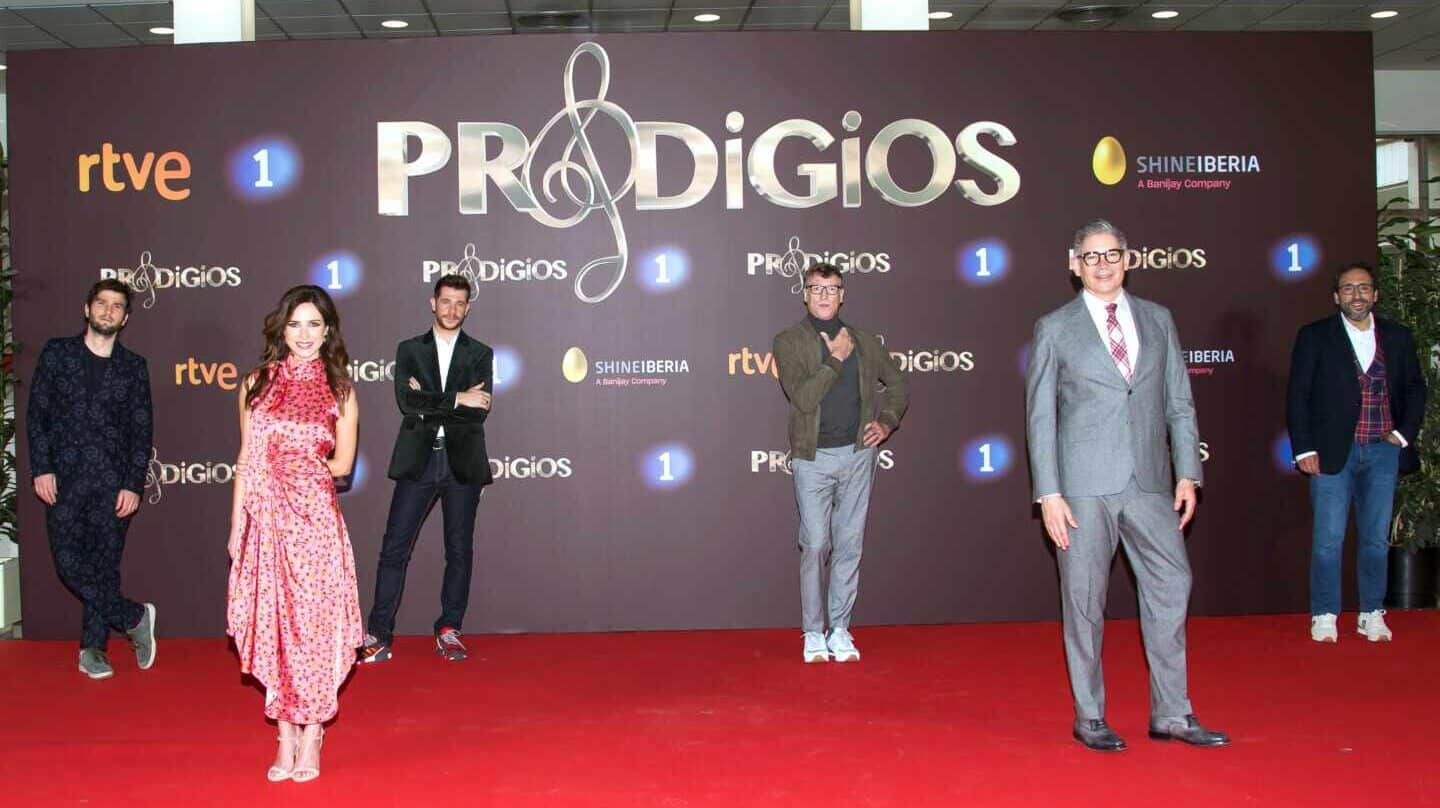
x=1409 y=268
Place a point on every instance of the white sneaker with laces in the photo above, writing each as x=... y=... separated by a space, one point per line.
x=1322 y=628
x=815 y=650
x=842 y=646
x=1372 y=625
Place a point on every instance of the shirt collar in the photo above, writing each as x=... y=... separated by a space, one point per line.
x=1095 y=304
x=448 y=342
x=1365 y=332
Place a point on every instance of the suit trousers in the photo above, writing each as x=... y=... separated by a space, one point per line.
x=409 y=506
x=86 y=541
x=1147 y=525
x=833 y=492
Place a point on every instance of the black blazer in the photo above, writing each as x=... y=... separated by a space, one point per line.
x=1323 y=399
x=430 y=407
x=100 y=441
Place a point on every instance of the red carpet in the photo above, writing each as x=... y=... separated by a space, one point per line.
x=943 y=715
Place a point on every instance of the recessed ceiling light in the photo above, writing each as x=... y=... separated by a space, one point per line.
x=394 y=24
x=162 y=30
x=1165 y=15
x=707 y=18
x=1385 y=15
x=941 y=15
x=3 y=67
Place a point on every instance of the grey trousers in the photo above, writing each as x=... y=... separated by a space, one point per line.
x=833 y=492
x=1149 y=528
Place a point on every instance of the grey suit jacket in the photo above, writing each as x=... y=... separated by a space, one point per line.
x=1089 y=430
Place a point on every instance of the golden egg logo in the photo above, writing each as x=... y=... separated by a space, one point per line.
x=574 y=365
x=1108 y=161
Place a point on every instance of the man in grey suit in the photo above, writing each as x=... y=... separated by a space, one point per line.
x=1106 y=385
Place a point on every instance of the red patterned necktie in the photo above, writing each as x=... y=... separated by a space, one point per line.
x=1117 y=341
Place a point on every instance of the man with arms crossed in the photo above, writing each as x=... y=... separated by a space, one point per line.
x=442 y=381
x=1106 y=384
x=831 y=372
x=89 y=425
x=1354 y=406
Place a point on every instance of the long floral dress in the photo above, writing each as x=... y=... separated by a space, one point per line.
x=294 y=608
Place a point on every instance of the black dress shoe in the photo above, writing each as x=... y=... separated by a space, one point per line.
x=1097 y=735
x=1186 y=729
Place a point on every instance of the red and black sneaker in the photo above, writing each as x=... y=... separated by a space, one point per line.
x=448 y=645
x=373 y=651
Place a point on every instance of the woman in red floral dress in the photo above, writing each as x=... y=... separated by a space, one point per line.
x=294 y=608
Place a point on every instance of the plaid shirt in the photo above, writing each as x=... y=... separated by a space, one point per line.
x=1375 y=423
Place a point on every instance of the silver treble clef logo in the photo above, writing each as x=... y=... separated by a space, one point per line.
x=142 y=279
x=792 y=264
x=468 y=267
x=594 y=190
x=153 y=473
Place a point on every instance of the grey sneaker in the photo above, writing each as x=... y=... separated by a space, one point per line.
x=142 y=637
x=94 y=664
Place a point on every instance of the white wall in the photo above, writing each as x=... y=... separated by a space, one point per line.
x=1407 y=102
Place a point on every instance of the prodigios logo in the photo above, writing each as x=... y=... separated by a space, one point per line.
x=1206 y=172
x=793 y=262
x=1161 y=258
x=577 y=181
x=145 y=277
x=771 y=461
x=934 y=360
x=531 y=468
x=160 y=474
x=479 y=270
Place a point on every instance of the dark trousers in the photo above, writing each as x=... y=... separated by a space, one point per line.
x=86 y=540
x=409 y=506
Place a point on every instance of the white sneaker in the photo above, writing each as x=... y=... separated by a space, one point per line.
x=842 y=646
x=1372 y=625
x=1322 y=628
x=815 y=650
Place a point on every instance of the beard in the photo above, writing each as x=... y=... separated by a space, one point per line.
x=103 y=329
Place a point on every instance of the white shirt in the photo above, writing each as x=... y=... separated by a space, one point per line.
x=1096 y=307
x=1363 y=343
x=444 y=351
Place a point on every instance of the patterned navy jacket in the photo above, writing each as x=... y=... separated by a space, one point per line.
x=99 y=441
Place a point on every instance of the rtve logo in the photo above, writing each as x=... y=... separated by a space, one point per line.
x=166 y=170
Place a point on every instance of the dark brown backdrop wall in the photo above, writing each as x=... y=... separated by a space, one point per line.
x=654 y=494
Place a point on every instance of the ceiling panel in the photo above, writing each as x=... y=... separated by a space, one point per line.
x=313 y=26
x=467 y=6
x=420 y=24
x=471 y=22
x=386 y=7
x=139 y=12
x=300 y=8
x=794 y=15
x=629 y=20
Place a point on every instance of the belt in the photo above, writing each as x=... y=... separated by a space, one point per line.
x=439 y=442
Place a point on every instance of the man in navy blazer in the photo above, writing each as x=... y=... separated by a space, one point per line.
x=1354 y=406
x=89 y=428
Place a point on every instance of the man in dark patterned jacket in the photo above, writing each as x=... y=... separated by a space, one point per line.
x=89 y=425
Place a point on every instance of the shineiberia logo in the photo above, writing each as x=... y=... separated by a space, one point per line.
x=1169 y=172
x=639 y=371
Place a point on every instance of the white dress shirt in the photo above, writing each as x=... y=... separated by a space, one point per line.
x=1096 y=307
x=1362 y=341
x=444 y=351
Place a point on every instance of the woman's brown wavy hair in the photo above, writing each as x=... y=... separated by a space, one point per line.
x=332 y=351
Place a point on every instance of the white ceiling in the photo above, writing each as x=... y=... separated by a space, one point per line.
x=1408 y=41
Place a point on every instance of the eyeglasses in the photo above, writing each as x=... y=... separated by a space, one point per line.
x=1356 y=289
x=1093 y=257
x=824 y=290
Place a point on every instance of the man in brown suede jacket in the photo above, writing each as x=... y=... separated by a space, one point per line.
x=832 y=373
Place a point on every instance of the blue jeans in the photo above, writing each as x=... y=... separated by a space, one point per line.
x=1368 y=478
